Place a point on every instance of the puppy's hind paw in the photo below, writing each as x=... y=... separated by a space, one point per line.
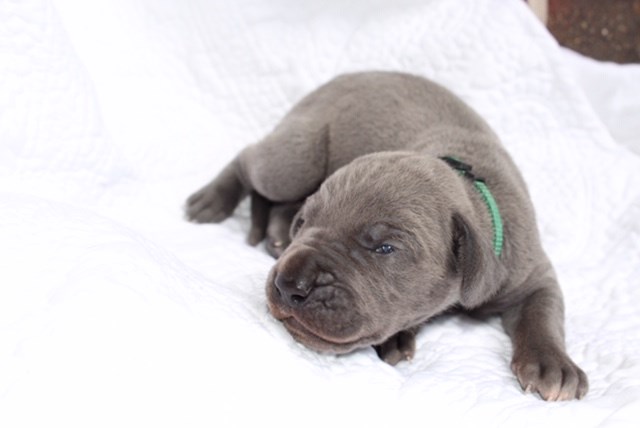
x=206 y=206
x=217 y=200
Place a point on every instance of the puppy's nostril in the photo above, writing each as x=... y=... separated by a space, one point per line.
x=297 y=299
x=294 y=291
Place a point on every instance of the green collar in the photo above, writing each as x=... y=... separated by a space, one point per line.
x=496 y=220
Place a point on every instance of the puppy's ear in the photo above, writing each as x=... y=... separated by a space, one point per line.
x=475 y=262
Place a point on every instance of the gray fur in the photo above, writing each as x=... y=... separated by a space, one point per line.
x=363 y=151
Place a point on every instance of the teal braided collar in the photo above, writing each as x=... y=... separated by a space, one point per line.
x=482 y=188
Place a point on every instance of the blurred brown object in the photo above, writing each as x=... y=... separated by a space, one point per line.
x=607 y=30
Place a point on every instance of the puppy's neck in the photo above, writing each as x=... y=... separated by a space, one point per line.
x=465 y=170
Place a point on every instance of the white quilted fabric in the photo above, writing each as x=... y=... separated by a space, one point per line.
x=114 y=311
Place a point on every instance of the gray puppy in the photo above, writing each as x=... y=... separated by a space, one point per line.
x=396 y=226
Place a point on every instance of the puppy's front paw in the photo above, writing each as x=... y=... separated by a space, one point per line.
x=550 y=373
x=399 y=347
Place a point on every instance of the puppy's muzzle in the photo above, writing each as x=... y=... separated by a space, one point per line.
x=298 y=274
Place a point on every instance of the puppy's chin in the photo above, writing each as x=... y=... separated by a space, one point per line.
x=318 y=343
x=336 y=333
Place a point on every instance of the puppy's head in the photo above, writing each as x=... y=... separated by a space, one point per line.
x=387 y=242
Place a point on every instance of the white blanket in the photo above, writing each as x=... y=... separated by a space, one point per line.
x=114 y=311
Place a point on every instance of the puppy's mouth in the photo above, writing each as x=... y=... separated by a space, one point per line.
x=337 y=330
x=317 y=340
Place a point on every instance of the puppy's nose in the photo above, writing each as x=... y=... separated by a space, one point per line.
x=296 y=288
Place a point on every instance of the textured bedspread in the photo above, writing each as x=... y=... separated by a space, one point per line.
x=114 y=311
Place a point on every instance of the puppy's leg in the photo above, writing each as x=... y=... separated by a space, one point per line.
x=260 y=212
x=272 y=221
x=278 y=231
x=539 y=359
x=399 y=347
x=288 y=165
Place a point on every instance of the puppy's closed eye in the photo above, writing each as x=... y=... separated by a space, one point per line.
x=297 y=224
